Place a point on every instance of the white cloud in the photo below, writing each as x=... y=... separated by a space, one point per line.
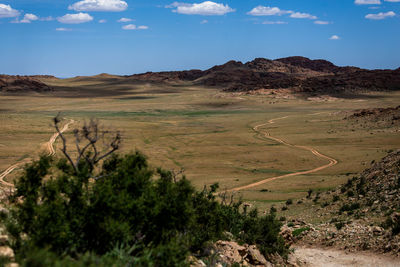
x=380 y=15
x=321 y=22
x=393 y=1
x=28 y=18
x=367 y=2
x=134 y=27
x=274 y=22
x=124 y=20
x=268 y=11
x=75 y=18
x=207 y=8
x=6 y=11
x=276 y=11
x=99 y=5
x=204 y=21
x=334 y=37
x=102 y=21
x=63 y=29
x=298 y=15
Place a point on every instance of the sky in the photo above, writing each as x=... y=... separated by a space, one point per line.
x=68 y=38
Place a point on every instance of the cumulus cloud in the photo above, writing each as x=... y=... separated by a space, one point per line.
x=6 y=11
x=99 y=5
x=367 y=2
x=28 y=18
x=134 y=27
x=207 y=8
x=276 y=11
x=124 y=20
x=75 y=18
x=63 y=29
x=298 y=15
x=380 y=15
x=334 y=37
x=268 y=11
x=321 y=22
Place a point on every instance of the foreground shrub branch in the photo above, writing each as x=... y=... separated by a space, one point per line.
x=86 y=141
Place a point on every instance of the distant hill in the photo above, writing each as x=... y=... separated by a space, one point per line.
x=297 y=73
x=10 y=83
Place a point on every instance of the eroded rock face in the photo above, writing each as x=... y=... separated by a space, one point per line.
x=22 y=84
x=230 y=252
x=300 y=74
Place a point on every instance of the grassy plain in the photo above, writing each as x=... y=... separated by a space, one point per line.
x=206 y=132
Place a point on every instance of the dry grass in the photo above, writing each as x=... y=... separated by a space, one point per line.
x=206 y=132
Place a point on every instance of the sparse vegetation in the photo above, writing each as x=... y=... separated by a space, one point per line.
x=63 y=211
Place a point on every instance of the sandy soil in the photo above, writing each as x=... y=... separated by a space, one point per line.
x=318 y=257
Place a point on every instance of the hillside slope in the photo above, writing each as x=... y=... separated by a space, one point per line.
x=17 y=83
x=300 y=74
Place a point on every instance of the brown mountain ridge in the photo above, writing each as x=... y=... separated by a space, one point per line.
x=298 y=74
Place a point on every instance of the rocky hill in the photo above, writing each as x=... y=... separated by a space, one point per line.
x=363 y=214
x=22 y=84
x=376 y=117
x=300 y=74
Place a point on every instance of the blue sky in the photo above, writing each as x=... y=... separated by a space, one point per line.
x=69 y=38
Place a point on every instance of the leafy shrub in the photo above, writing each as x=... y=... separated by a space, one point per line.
x=350 y=193
x=272 y=210
x=289 y=202
x=335 y=198
x=284 y=208
x=347 y=207
x=67 y=217
x=339 y=225
x=309 y=192
x=299 y=231
x=325 y=204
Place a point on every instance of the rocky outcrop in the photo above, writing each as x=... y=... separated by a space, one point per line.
x=228 y=253
x=300 y=74
x=22 y=84
x=365 y=212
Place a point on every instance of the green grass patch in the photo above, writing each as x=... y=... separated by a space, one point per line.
x=299 y=231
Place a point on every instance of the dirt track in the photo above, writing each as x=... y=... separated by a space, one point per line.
x=50 y=148
x=317 y=257
x=266 y=134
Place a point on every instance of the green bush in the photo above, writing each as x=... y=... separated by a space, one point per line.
x=299 y=231
x=68 y=217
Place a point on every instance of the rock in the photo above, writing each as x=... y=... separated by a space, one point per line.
x=377 y=230
x=6 y=252
x=230 y=252
x=3 y=240
x=255 y=257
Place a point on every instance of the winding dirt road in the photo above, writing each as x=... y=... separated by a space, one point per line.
x=266 y=134
x=50 y=148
